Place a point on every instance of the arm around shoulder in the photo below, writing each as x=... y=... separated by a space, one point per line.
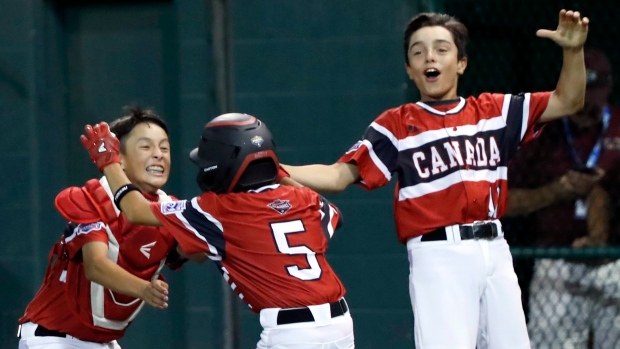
x=332 y=178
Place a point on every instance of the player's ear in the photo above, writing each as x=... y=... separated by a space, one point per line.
x=409 y=71
x=461 y=65
x=122 y=156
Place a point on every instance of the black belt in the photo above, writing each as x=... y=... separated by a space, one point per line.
x=41 y=331
x=292 y=316
x=486 y=230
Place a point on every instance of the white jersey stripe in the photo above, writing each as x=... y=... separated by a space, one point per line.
x=375 y=159
x=384 y=131
x=526 y=115
x=495 y=123
x=189 y=227
x=418 y=190
x=506 y=106
x=330 y=226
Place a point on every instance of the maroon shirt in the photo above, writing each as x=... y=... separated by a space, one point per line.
x=548 y=158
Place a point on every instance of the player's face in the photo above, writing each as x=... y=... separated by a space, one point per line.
x=146 y=159
x=434 y=66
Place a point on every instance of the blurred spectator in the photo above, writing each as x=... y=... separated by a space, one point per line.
x=566 y=182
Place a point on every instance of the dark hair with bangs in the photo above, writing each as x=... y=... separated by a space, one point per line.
x=135 y=116
x=431 y=19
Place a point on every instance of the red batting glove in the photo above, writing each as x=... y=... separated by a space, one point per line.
x=102 y=145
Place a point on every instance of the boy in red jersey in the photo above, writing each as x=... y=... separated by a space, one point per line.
x=451 y=156
x=268 y=241
x=104 y=268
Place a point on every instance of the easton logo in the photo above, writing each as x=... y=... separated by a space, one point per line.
x=102 y=148
x=146 y=249
x=282 y=206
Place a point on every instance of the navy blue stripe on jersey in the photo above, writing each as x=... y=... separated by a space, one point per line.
x=327 y=214
x=516 y=124
x=379 y=140
x=69 y=229
x=205 y=227
x=444 y=156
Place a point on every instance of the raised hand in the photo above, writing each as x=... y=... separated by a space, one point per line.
x=572 y=30
x=156 y=294
x=102 y=145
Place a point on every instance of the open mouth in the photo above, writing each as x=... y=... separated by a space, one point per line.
x=155 y=169
x=431 y=73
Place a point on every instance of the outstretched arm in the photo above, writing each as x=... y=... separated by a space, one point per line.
x=325 y=178
x=569 y=94
x=103 y=148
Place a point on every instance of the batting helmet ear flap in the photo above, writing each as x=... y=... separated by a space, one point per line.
x=256 y=170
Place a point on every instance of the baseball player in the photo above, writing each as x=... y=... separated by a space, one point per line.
x=267 y=240
x=104 y=268
x=450 y=154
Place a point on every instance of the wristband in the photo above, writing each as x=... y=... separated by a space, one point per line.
x=121 y=192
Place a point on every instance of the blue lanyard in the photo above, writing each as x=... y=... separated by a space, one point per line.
x=596 y=151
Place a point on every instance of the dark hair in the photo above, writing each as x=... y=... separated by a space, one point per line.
x=431 y=19
x=136 y=115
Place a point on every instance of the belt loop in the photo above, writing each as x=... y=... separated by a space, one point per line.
x=414 y=242
x=269 y=317
x=500 y=230
x=454 y=235
x=321 y=313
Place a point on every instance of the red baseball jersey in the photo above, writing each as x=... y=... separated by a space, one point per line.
x=69 y=303
x=268 y=243
x=451 y=157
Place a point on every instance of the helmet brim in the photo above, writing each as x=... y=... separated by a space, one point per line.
x=193 y=155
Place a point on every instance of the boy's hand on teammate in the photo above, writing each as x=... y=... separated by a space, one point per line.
x=572 y=30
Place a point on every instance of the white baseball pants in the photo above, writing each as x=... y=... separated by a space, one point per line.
x=465 y=294
x=324 y=332
x=29 y=341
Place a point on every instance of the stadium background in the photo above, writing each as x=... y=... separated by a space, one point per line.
x=317 y=72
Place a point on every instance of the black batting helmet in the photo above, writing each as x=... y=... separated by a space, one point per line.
x=236 y=153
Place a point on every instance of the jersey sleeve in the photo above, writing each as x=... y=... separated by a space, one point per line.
x=534 y=105
x=521 y=113
x=331 y=218
x=376 y=154
x=77 y=235
x=195 y=229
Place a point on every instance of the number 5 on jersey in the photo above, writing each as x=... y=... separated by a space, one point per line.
x=279 y=231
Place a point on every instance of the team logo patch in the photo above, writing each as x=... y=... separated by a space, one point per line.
x=282 y=206
x=87 y=228
x=257 y=141
x=173 y=207
x=355 y=147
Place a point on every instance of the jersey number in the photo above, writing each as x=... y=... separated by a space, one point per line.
x=279 y=233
